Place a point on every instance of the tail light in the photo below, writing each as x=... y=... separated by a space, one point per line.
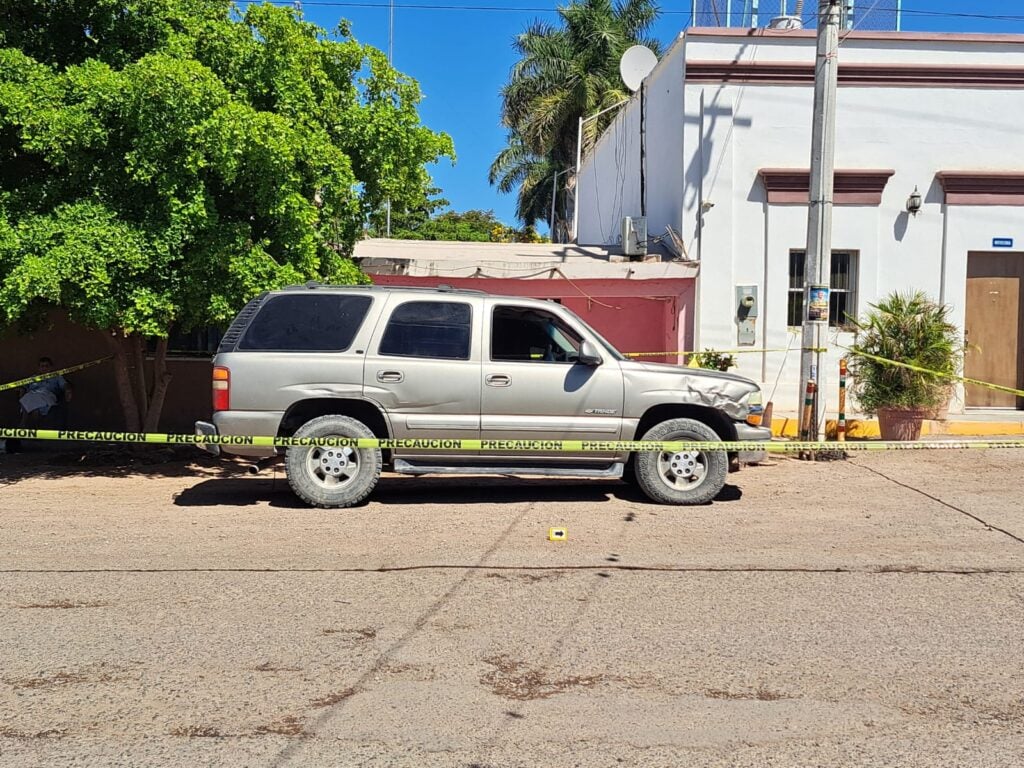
x=221 y=388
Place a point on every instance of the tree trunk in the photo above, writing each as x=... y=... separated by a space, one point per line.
x=161 y=380
x=129 y=408
x=137 y=370
x=141 y=406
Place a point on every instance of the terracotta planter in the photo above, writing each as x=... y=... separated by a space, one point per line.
x=902 y=423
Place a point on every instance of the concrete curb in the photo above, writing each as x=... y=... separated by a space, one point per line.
x=788 y=426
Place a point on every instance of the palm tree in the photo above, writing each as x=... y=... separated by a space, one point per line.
x=516 y=166
x=566 y=71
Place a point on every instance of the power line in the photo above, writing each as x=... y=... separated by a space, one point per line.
x=383 y=4
x=957 y=15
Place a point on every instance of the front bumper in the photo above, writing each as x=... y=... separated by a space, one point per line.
x=748 y=433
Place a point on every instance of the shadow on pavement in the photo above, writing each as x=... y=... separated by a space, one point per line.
x=39 y=459
x=407 y=491
x=229 y=484
x=240 y=491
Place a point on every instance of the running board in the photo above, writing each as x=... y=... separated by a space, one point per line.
x=613 y=472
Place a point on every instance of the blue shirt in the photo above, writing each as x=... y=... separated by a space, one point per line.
x=54 y=385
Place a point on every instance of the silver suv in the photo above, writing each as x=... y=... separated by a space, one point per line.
x=408 y=363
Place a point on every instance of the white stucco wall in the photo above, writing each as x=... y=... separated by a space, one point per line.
x=664 y=149
x=728 y=132
x=609 y=185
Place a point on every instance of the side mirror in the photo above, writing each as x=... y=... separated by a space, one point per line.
x=589 y=354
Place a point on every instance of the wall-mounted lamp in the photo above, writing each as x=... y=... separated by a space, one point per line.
x=914 y=202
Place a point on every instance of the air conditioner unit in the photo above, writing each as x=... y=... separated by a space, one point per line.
x=634 y=235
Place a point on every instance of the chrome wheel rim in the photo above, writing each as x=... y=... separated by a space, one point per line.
x=333 y=467
x=682 y=470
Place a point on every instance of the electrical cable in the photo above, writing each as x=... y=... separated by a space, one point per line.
x=383 y=4
x=785 y=358
x=856 y=23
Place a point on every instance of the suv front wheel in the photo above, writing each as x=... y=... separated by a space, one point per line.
x=681 y=477
x=333 y=476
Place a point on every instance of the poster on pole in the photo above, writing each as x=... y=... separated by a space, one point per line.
x=817 y=303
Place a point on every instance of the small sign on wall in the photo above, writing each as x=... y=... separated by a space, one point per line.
x=1002 y=242
x=817 y=306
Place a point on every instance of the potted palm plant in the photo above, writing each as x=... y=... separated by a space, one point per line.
x=912 y=329
x=709 y=358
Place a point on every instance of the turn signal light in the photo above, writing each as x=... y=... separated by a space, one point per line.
x=221 y=388
x=755 y=411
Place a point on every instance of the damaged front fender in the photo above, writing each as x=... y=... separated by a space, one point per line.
x=650 y=384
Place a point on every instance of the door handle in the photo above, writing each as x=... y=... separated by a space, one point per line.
x=498 y=380
x=390 y=376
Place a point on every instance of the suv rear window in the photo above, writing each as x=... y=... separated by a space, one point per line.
x=437 y=329
x=307 y=322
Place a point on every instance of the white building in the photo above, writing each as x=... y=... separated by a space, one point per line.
x=724 y=162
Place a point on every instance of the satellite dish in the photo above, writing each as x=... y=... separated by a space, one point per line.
x=636 y=64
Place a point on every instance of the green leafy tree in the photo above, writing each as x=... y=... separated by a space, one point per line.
x=466 y=226
x=566 y=71
x=162 y=161
x=407 y=217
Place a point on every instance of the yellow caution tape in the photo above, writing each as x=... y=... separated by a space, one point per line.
x=721 y=351
x=952 y=376
x=51 y=374
x=458 y=444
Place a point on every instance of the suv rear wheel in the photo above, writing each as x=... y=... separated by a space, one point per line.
x=333 y=476
x=682 y=477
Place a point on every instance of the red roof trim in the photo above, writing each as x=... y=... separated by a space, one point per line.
x=851 y=187
x=982 y=187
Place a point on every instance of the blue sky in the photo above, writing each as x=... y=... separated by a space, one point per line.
x=461 y=58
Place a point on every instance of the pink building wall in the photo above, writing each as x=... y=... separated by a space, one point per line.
x=634 y=315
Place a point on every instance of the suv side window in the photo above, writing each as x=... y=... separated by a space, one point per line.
x=525 y=334
x=307 y=322
x=436 y=329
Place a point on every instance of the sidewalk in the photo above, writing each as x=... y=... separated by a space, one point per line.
x=976 y=422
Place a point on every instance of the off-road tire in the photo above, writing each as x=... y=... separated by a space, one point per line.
x=649 y=465
x=315 y=488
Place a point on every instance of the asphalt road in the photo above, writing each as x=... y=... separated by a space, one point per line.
x=859 y=613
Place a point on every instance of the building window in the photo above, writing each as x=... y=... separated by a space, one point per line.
x=843 y=284
x=199 y=342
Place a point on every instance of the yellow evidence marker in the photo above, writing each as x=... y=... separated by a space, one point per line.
x=558 y=534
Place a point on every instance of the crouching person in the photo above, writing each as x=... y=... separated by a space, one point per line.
x=40 y=397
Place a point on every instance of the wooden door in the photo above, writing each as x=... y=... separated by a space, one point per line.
x=993 y=328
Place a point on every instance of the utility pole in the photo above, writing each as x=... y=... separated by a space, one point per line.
x=818 y=262
x=391 y=56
